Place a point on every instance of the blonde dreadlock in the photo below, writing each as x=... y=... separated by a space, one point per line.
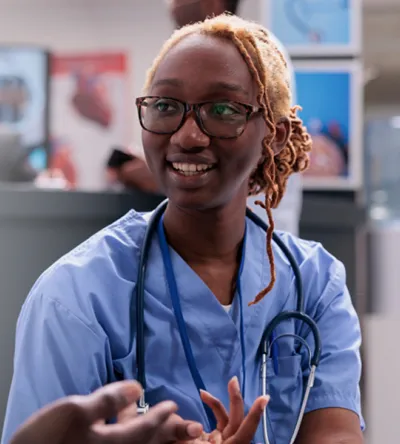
x=269 y=70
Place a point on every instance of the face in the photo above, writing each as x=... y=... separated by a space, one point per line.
x=185 y=12
x=193 y=169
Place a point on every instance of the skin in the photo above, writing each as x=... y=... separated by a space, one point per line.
x=205 y=217
x=234 y=427
x=136 y=174
x=81 y=420
x=205 y=224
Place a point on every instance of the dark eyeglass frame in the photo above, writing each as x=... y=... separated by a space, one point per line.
x=251 y=111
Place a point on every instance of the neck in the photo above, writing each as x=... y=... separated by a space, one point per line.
x=203 y=236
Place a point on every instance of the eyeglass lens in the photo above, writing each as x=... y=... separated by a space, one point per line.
x=219 y=119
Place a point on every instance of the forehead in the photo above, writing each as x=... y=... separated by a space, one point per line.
x=175 y=3
x=200 y=64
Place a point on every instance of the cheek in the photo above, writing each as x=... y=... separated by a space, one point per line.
x=154 y=148
x=249 y=154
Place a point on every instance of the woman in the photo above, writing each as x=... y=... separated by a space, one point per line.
x=217 y=125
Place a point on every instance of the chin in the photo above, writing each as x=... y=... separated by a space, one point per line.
x=198 y=201
x=191 y=201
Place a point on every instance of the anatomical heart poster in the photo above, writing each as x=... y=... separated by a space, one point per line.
x=88 y=115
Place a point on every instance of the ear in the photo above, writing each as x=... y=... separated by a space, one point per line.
x=282 y=135
x=212 y=7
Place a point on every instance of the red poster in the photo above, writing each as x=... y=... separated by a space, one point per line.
x=89 y=115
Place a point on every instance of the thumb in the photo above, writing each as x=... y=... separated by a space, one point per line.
x=108 y=401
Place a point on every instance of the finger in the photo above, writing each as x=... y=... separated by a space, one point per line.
x=128 y=413
x=236 y=408
x=218 y=409
x=215 y=437
x=139 y=429
x=176 y=428
x=249 y=426
x=108 y=401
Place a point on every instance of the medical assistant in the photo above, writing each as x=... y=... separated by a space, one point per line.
x=74 y=333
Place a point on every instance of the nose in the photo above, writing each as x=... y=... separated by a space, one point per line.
x=190 y=136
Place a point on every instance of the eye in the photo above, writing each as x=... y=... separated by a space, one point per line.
x=224 y=109
x=165 y=106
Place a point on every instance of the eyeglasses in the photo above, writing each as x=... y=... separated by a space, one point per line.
x=221 y=119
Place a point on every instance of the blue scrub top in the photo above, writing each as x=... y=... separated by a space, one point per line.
x=74 y=329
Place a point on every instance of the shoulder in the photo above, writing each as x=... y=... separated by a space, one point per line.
x=323 y=275
x=110 y=246
x=102 y=265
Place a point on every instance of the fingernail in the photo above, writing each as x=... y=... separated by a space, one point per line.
x=205 y=392
x=265 y=400
x=194 y=430
x=235 y=382
x=170 y=405
x=131 y=392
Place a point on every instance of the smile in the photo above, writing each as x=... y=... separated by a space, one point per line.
x=191 y=169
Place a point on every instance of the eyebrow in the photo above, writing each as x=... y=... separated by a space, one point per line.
x=229 y=87
x=168 y=82
x=213 y=86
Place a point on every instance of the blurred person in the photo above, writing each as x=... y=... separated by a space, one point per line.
x=16 y=167
x=14 y=97
x=61 y=160
x=14 y=162
x=82 y=420
x=210 y=140
x=134 y=174
x=137 y=173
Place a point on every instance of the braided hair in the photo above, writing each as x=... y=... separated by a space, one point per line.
x=270 y=72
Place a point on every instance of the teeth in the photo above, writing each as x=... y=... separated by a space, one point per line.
x=190 y=169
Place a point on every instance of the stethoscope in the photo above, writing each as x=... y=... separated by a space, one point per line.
x=269 y=341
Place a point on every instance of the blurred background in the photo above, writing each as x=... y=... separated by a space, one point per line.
x=70 y=148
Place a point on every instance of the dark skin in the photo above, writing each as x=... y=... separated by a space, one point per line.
x=136 y=174
x=215 y=208
x=205 y=219
x=81 y=420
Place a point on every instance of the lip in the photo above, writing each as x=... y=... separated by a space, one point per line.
x=189 y=182
x=190 y=158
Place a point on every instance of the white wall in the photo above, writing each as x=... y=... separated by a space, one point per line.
x=382 y=370
x=136 y=26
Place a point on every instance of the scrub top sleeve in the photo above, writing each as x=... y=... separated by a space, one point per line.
x=338 y=374
x=51 y=360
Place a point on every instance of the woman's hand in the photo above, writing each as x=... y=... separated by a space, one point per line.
x=233 y=428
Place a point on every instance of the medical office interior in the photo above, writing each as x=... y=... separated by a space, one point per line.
x=75 y=68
